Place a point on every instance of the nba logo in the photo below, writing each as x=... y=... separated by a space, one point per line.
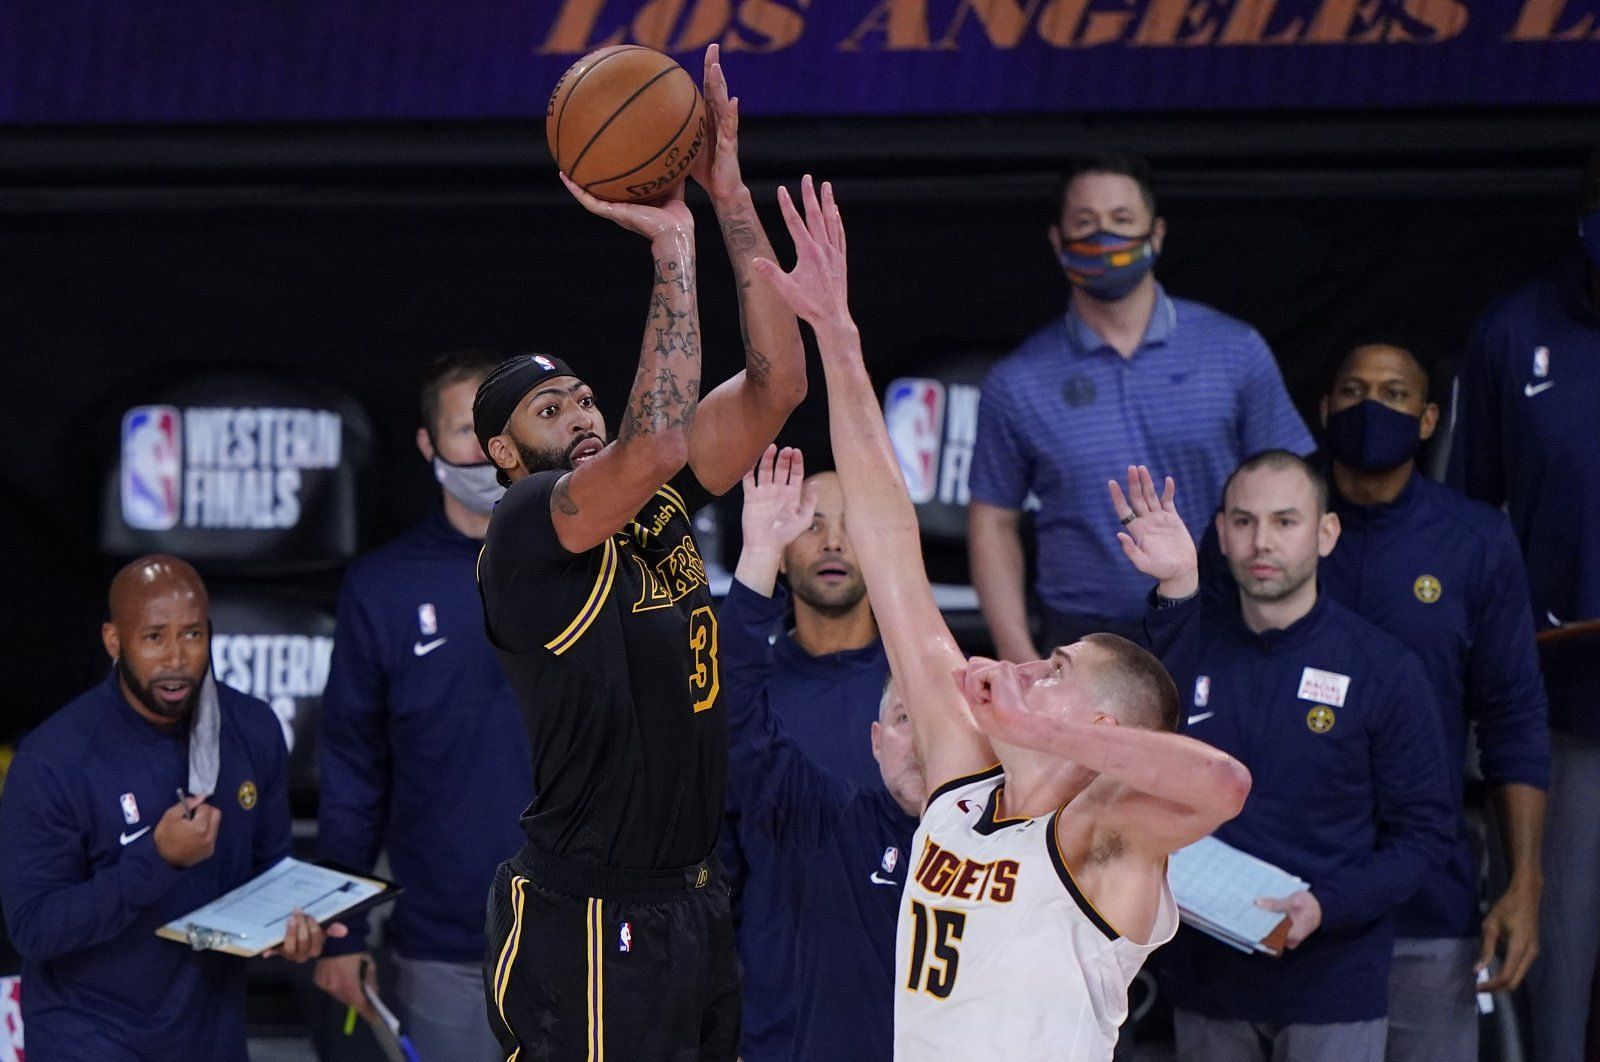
x=427 y=619
x=130 y=809
x=913 y=411
x=625 y=937
x=1541 y=362
x=544 y=363
x=1202 y=691
x=152 y=464
x=891 y=856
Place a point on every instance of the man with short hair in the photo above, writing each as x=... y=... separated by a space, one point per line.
x=1127 y=375
x=1334 y=718
x=421 y=746
x=611 y=926
x=1443 y=574
x=98 y=857
x=831 y=849
x=1037 y=885
x=822 y=682
x=1524 y=439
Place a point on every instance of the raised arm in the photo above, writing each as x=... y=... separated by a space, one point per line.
x=1173 y=790
x=596 y=499
x=922 y=653
x=743 y=414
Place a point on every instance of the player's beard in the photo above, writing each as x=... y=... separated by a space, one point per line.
x=146 y=694
x=538 y=459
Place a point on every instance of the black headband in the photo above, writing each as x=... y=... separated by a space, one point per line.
x=506 y=386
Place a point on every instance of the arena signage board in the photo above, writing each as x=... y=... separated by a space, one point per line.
x=339 y=60
x=247 y=469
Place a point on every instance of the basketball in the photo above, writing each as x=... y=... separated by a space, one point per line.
x=625 y=123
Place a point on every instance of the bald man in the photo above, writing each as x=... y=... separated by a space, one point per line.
x=100 y=852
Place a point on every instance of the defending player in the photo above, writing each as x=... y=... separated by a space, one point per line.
x=1039 y=883
x=610 y=929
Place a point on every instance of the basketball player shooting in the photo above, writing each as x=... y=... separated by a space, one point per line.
x=611 y=927
x=1039 y=884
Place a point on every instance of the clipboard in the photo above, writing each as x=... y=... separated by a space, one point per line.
x=1215 y=886
x=251 y=918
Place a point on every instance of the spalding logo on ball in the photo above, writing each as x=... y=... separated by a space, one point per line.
x=625 y=123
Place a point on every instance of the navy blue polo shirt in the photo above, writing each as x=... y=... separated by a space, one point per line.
x=841 y=844
x=1065 y=413
x=421 y=745
x=1334 y=718
x=1443 y=574
x=85 y=889
x=1527 y=436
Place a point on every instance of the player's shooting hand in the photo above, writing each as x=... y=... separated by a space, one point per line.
x=1512 y=929
x=1305 y=914
x=187 y=832
x=341 y=977
x=716 y=168
x=993 y=689
x=667 y=216
x=1155 y=537
x=817 y=288
x=303 y=938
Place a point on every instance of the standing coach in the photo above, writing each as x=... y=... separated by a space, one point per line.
x=611 y=929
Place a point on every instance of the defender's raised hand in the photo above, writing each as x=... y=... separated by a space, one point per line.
x=817 y=288
x=778 y=508
x=716 y=168
x=1154 y=536
x=669 y=215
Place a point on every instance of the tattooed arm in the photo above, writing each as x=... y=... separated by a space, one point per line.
x=599 y=497
x=744 y=414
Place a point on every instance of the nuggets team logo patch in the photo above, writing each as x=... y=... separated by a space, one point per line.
x=247 y=794
x=1320 y=719
x=1427 y=589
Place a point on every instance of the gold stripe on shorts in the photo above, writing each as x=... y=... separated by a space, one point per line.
x=508 y=954
x=597 y=983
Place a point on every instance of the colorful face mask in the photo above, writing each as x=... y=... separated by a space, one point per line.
x=1589 y=232
x=1371 y=437
x=1107 y=265
x=474 y=486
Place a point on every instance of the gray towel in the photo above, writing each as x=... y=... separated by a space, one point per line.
x=205 y=740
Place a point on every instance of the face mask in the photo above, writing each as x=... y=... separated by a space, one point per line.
x=1106 y=265
x=1371 y=437
x=474 y=486
x=1589 y=232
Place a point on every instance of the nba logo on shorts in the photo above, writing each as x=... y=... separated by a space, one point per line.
x=152 y=467
x=913 y=411
x=625 y=937
x=130 y=809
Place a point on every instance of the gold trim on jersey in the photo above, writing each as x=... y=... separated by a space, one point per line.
x=1064 y=872
x=967 y=779
x=676 y=498
x=591 y=608
x=508 y=954
x=597 y=983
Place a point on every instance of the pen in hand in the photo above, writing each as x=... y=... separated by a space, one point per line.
x=183 y=798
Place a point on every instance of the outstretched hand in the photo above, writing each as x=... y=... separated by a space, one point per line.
x=778 y=508
x=659 y=217
x=1154 y=536
x=716 y=168
x=817 y=288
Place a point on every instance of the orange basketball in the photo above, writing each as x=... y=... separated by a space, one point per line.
x=625 y=123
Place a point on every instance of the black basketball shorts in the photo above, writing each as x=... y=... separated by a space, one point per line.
x=586 y=964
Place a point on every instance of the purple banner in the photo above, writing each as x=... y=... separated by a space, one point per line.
x=338 y=60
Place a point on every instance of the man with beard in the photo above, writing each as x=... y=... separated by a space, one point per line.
x=822 y=682
x=97 y=856
x=415 y=703
x=1336 y=722
x=611 y=926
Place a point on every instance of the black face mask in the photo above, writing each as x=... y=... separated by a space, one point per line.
x=1371 y=437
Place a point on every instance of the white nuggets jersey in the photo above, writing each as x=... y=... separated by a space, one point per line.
x=998 y=953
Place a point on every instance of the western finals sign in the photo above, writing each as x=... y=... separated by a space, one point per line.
x=221 y=467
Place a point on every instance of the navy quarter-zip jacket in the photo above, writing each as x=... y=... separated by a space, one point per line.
x=85 y=889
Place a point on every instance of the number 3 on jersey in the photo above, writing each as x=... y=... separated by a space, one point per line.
x=703 y=680
x=938 y=974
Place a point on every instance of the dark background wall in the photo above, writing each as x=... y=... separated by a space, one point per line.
x=354 y=255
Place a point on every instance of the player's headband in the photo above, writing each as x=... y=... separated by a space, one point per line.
x=507 y=385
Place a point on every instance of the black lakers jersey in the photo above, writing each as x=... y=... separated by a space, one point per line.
x=613 y=654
